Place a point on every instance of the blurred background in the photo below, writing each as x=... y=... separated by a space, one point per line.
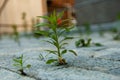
x=21 y=15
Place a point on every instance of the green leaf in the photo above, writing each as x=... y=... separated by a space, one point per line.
x=73 y=52
x=63 y=44
x=28 y=66
x=17 y=60
x=60 y=14
x=51 y=51
x=118 y=16
x=44 y=17
x=98 y=44
x=77 y=43
x=64 y=51
x=53 y=43
x=53 y=19
x=42 y=24
x=56 y=44
x=61 y=32
x=49 y=42
x=17 y=65
x=51 y=61
x=66 y=38
x=42 y=33
x=68 y=29
x=54 y=37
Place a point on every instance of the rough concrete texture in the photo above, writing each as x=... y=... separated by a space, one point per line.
x=92 y=63
x=96 y=11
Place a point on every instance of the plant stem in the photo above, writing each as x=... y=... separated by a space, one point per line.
x=22 y=72
x=61 y=61
x=57 y=42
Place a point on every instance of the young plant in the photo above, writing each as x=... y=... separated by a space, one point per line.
x=35 y=21
x=87 y=27
x=57 y=27
x=83 y=43
x=117 y=37
x=19 y=63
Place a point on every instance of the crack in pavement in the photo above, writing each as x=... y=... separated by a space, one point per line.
x=30 y=76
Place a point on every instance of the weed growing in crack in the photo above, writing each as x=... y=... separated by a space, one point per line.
x=83 y=43
x=19 y=63
x=87 y=28
x=117 y=37
x=54 y=34
x=35 y=21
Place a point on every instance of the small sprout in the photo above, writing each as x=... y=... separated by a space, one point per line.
x=114 y=30
x=34 y=29
x=101 y=33
x=19 y=63
x=117 y=37
x=118 y=16
x=82 y=43
x=87 y=27
x=57 y=27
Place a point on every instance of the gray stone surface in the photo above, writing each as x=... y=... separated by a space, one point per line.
x=92 y=63
x=96 y=11
x=8 y=75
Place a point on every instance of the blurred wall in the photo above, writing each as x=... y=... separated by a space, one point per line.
x=96 y=11
x=61 y=5
x=12 y=11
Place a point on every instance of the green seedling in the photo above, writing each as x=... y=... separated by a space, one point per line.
x=16 y=34
x=114 y=30
x=34 y=29
x=118 y=16
x=83 y=43
x=101 y=33
x=19 y=63
x=54 y=34
x=87 y=27
x=117 y=37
